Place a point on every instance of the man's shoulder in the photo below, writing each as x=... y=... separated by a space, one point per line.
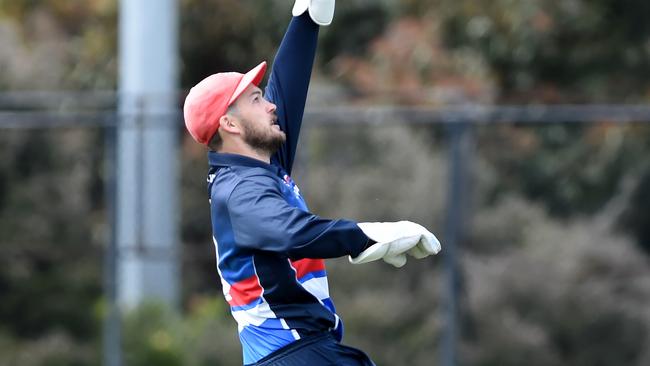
x=228 y=179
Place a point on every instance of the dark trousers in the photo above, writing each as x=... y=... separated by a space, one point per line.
x=319 y=350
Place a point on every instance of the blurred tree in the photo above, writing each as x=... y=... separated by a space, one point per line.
x=48 y=260
x=571 y=169
x=637 y=216
x=550 y=292
x=50 y=212
x=229 y=35
x=358 y=23
x=393 y=51
x=564 y=51
x=58 y=44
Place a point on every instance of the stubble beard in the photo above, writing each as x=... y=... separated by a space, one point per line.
x=267 y=142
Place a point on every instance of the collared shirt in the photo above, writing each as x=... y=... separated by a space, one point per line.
x=269 y=247
x=270 y=252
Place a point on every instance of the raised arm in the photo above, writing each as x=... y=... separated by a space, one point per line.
x=289 y=82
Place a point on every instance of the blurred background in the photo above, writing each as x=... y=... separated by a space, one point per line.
x=517 y=131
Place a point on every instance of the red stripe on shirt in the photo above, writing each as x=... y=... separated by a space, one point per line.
x=245 y=291
x=306 y=266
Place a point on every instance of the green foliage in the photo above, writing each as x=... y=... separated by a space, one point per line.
x=636 y=217
x=58 y=44
x=53 y=349
x=150 y=337
x=157 y=335
x=558 y=50
x=554 y=295
x=229 y=35
x=358 y=23
x=152 y=334
x=571 y=169
x=541 y=287
x=48 y=260
x=536 y=290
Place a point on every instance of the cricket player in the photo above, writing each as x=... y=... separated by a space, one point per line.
x=270 y=249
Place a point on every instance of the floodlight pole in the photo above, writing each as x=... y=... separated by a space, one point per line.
x=146 y=188
x=147 y=224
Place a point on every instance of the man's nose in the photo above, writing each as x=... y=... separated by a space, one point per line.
x=270 y=107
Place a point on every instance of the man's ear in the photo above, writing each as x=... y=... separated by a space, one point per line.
x=228 y=124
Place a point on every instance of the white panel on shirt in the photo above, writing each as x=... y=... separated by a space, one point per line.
x=225 y=286
x=254 y=316
x=317 y=287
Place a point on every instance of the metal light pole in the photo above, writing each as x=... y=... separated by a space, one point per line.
x=147 y=167
x=141 y=259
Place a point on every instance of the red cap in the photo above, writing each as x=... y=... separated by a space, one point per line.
x=208 y=100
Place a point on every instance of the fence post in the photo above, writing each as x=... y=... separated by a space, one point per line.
x=112 y=340
x=460 y=150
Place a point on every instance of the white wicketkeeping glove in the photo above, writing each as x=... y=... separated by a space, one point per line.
x=395 y=240
x=320 y=11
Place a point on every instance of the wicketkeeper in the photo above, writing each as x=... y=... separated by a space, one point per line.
x=270 y=249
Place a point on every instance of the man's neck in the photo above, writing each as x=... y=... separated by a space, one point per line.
x=245 y=150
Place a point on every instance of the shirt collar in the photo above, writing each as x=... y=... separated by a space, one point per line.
x=224 y=159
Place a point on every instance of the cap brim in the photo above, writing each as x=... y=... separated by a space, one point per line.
x=254 y=77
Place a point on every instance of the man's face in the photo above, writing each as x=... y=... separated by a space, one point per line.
x=258 y=121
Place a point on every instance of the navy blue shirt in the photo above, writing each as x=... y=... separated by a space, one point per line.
x=269 y=247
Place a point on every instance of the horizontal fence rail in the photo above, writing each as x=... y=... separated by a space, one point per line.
x=53 y=110
x=93 y=112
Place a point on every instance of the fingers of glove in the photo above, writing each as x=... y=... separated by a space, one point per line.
x=373 y=253
x=396 y=231
x=299 y=7
x=430 y=243
x=426 y=234
x=418 y=252
x=396 y=260
x=322 y=11
x=402 y=245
